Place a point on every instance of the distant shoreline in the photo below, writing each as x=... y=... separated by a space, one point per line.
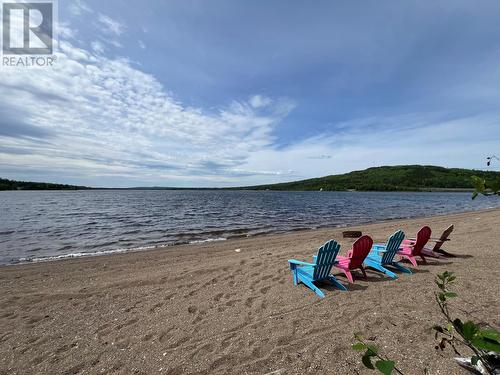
x=430 y=190
x=414 y=178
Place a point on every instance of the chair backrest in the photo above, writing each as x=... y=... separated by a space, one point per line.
x=443 y=238
x=360 y=250
x=423 y=236
x=325 y=259
x=392 y=246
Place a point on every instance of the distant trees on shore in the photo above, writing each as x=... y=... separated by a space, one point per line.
x=23 y=185
x=395 y=178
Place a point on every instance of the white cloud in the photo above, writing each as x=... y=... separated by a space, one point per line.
x=142 y=45
x=65 y=31
x=89 y=115
x=78 y=7
x=94 y=117
x=99 y=118
x=364 y=143
x=109 y=25
x=112 y=42
x=258 y=101
x=97 y=47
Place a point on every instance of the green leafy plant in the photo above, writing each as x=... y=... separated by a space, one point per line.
x=478 y=339
x=481 y=186
x=455 y=333
x=382 y=363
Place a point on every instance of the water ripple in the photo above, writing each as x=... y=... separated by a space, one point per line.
x=38 y=225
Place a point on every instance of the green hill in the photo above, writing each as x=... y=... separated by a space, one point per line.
x=23 y=185
x=396 y=178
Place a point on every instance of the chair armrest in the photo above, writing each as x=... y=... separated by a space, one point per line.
x=381 y=250
x=438 y=239
x=378 y=248
x=405 y=247
x=294 y=263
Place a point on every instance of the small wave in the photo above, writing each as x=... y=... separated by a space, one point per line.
x=82 y=254
x=208 y=240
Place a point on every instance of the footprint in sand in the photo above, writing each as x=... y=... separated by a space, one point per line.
x=284 y=340
x=229 y=295
x=75 y=369
x=147 y=337
x=178 y=343
x=37 y=360
x=249 y=301
x=127 y=323
x=5 y=336
x=34 y=319
x=118 y=366
x=123 y=343
x=8 y=315
x=233 y=302
x=229 y=279
x=267 y=277
x=199 y=317
x=203 y=350
x=163 y=337
x=62 y=349
x=155 y=307
x=265 y=289
x=214 y=280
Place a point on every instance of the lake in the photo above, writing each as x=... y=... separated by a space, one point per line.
x=44 y=225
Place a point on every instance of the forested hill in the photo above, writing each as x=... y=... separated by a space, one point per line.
x=397 y=178
x=23 y=185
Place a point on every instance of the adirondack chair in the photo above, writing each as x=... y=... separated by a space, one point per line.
x=308 y=273
x=355 y=257
x=436 y=251
x=410 y=249
x=382 y=255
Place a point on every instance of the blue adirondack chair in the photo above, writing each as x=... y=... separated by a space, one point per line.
x=308 y=273
x=382 y=255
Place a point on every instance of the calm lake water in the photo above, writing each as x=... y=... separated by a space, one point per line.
x=41 y=225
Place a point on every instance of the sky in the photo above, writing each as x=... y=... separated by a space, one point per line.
x=188 y=93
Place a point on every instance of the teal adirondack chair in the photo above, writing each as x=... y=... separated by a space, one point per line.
x=382 y=255
x=308 y=273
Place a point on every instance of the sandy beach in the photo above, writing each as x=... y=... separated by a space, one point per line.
x=230 y=307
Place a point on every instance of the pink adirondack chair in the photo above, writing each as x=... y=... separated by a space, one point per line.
x=355 y=257
x=410 y=249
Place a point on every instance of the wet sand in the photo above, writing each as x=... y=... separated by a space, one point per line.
x=209 y=309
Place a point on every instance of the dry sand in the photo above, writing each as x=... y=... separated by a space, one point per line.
x=208 y=309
